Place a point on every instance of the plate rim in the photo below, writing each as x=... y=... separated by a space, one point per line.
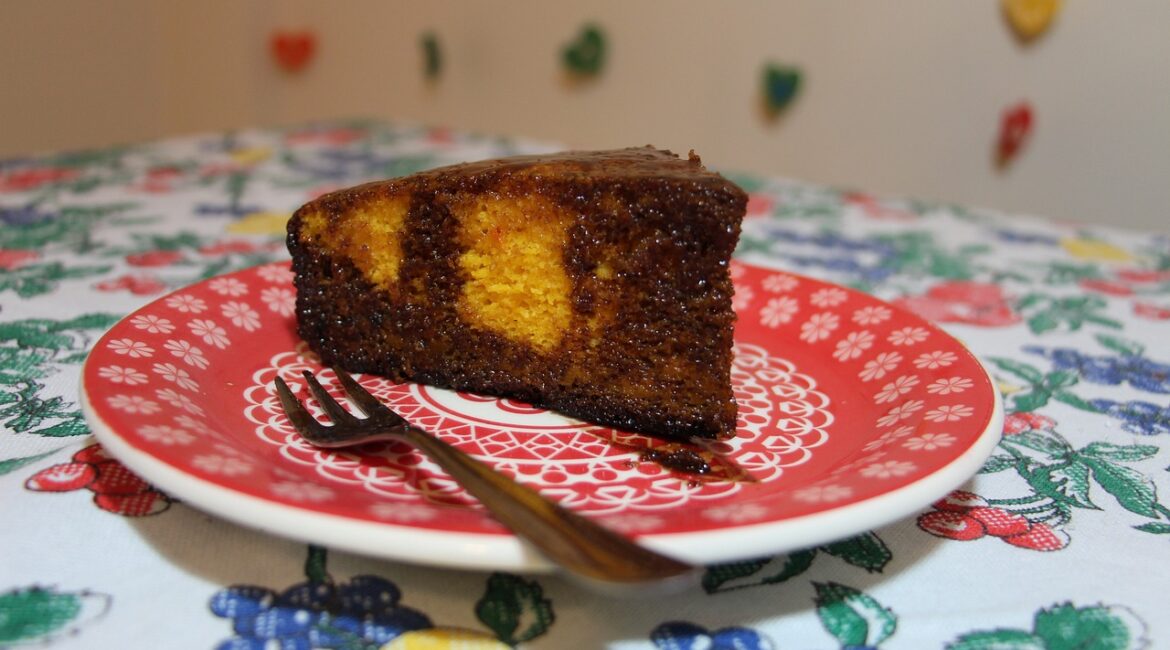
x=505 y=551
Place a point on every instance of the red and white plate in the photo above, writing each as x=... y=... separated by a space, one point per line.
x=852 y=414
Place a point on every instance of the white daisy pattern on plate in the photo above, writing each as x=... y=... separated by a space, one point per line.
x=877 y=367
x=828 y=297
x=632 y=523
x=130 y=348
x=121 y=375
x=853 y=345
x=165 y=435
x=949 y=413
x=736 y=513
x=241 y=315
x=133 y=404
x=823 y=493
x=900 y=412
x=779 y=283
x=280 y=300
x=173 y=373
x=742 y=298
x=211 y=333
x=888 y=469
x=276 y=273
x=819 y=326
x=778 y=311
x=222 y=465
x=935 y=360
x=872 y=315
x=929 y=442
x=228 y=287
x=403 y=513
x=194 y=424
x=302 y=492
x=949 y=385
x=153 y=324
x=908 y=336
x=191 y=355
x=187 y=304
x=888 y=437
x=897 y=388
x=179 y=400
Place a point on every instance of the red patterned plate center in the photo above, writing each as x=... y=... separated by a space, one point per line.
x=842 y=400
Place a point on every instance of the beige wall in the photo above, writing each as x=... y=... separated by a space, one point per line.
x=899 y=97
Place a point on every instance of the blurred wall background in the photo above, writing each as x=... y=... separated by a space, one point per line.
x=898 y=98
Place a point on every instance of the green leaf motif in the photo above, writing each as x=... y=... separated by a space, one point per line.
x=1074 y=401
x=10 y=465
x=1119 y=453
x=36 y=614
x=1066 y=627
x=998 y=640
x=1044 y=442
x=851 y=616
x=1066 y=481
x=997 y=463
x=1130 y=487
x=37 y=279
x=866 y=551
x=1029 y=401
x=32 y=349
x=718 y=575
x=1124 y=347
x=766 y=571
x=514 y=608
x=1154 y=527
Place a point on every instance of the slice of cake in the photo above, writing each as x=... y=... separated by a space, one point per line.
x=592 y=283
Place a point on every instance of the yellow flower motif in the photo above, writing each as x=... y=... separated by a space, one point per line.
x=251 y=156
x=259 y=223
x=1007 y=388
x=1029 y=18
x=1095 y=250
x=445 y=638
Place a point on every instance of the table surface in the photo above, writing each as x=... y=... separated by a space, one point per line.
x=1062 y=540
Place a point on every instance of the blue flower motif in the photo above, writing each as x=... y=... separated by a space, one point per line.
x=26 y=215
x=362 y=612
x=680 y=635
x=1017 y=237
x=1137 y=416
x=1138 y=371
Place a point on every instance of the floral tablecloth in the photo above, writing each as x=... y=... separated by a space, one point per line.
x=1061 y=541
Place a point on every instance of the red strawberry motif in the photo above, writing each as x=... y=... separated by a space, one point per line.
x=150 y=502
x=952 y=525
x=1020 y=422
x=1151 y=311
x=1040 y=538
x=116 y=489
x=153 y=258
x=1000 y=522
x=759 y=205
x=92 y=454
x=114 y=478
x=960 y=501
x=14 y=258
x=65 y=477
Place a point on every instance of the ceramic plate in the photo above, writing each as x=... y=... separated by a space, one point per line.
x=852 y=414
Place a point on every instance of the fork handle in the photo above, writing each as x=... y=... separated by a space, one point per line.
x=571 y=540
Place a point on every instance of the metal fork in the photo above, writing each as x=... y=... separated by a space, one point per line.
x=575 y=543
